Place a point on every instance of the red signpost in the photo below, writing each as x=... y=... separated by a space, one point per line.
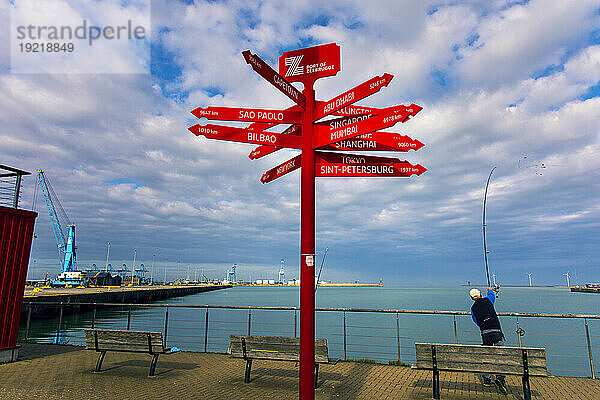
x=358 y=129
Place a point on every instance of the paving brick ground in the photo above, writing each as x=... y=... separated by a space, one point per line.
x=65 y=372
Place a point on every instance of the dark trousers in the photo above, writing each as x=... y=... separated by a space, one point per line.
x=493 y=339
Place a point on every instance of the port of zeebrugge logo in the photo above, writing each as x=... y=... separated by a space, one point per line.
x=294 y=66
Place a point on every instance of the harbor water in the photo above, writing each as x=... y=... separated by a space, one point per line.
x=382 y=337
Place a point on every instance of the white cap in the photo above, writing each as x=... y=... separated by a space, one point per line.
x=475 y=294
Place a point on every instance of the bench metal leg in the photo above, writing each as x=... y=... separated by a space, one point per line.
x=153 y=364
x=248 y=368
x=99 y=362
x=526 y=388
x=316 y=375
x=436 y=384
x=436 y=374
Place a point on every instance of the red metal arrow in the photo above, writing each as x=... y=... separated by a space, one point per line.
x=388 y=117
x=323 y=157
x=249 y=115
x=282 y=169
x=376 y=141
x=274 y=78
x=400 y=169
x=264 y=150
x=246 y=136
x=352 y=96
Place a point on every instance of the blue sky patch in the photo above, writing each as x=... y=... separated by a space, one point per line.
x=214 y=91
x=124 y=181
x=440 y=77
x=592 y=92
x=549 y=70
x=248 y=17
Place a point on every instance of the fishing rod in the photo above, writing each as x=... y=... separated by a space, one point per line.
x=487 y=271
x=320 y=269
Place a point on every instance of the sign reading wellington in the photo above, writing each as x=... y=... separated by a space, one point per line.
x=312 y=126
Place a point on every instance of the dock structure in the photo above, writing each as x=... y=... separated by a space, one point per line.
x=586 y=289
x=191 y=375
x=124 y=294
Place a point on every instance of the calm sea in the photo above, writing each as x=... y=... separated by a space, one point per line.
x=360 y=335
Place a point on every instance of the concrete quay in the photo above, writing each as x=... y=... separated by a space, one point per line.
x=55 y=372
x=47 y=301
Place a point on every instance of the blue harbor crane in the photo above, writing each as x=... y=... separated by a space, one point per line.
x=69 y=275
x=231 y=278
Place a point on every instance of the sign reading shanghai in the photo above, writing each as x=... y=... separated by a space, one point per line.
x=310 y=64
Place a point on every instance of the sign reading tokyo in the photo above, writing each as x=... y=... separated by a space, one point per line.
x=309 y=64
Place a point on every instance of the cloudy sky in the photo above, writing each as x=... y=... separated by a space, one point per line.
x=511 y=84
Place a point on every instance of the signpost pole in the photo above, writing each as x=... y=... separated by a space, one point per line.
x=307 y=251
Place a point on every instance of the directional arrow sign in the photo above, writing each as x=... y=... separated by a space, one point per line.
x=282 y=169
x=276 y=80
x=264 y=150
x=376 y=141
x=352 y=96
x=249 y=115
x=246 y=136
x=400 y=169
x=322 y=157
x=388 y=117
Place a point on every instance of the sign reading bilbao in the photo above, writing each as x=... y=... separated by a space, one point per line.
x=309 y=64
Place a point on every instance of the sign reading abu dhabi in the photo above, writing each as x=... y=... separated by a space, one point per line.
x=57 y=36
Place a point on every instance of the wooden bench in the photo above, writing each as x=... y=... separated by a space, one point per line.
x=501 y=360
x=103 y=340
x=275 y=348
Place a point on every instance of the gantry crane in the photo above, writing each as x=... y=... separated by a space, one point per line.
x=66 y=243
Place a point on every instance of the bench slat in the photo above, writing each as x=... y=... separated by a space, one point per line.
x=275 y=348
x=115 y=340
x=482 y=368
x=479 y=349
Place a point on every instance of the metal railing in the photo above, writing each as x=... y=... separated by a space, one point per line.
x=10 y=185
x=352 y=333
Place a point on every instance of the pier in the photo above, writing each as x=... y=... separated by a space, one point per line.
x=124 y=294
x=195 y=375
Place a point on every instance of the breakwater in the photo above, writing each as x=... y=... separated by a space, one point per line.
x=48 y=302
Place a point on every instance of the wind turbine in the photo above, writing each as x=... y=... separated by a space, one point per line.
x=529 y=274
x=568 y=281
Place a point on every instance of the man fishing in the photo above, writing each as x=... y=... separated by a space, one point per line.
x=485 y=317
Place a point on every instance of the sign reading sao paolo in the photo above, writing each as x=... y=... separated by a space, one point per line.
x=309 y=64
